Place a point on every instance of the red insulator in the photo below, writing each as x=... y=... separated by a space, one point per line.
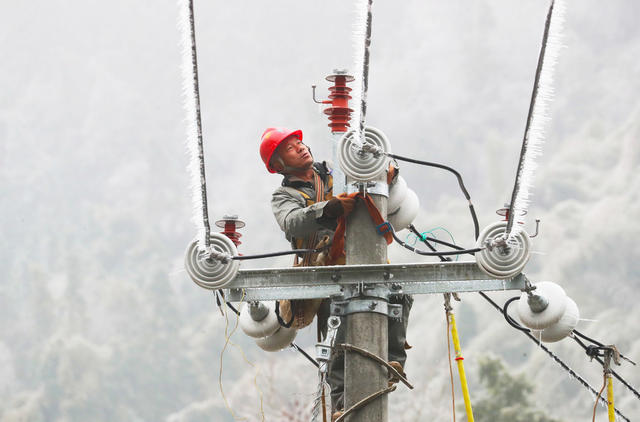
x=339 y=113
x=230 y=223
x=505 y=213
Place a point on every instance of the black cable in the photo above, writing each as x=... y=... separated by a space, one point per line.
x=429 y=245
x=460 y=182
x=557 y=360
x=596 y=357
x=510 y=320
x=305 y=354
x=578 y=333
x=272 y=254
x=419 y=252
x=441 y=242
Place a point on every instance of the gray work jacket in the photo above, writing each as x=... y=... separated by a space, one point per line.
x=297 y=219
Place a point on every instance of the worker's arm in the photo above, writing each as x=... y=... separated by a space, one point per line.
x=293 y=217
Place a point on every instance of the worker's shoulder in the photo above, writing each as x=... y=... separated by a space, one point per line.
x=286 y=192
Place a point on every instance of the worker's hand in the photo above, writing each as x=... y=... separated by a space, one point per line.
x=347 y=203
x=339 y=206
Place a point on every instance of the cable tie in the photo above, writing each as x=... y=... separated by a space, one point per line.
x=459 y=358
x=386 y=226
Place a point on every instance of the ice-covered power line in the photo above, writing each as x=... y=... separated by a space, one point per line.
x=362 y=44
x=191 y=94
x=538 y=116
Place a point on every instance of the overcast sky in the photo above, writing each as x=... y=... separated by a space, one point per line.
x=97 y=319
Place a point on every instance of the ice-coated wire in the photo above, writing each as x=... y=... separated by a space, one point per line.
x=191 y=98
x=556 y=359
x=538 y=115
x=362 y=44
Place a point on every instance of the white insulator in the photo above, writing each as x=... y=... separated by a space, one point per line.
x=360 y=165
x=407 y=212
x=397 y=193
x=502 y=261
x=212 y=273
x=282 y=338
x=264 y=327
x=565 y=324
x=556 y=303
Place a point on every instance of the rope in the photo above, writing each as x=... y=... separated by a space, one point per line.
x=595 y=405
x=453 y=396
x=365 y=401
x=378 y=359
x=554 y=357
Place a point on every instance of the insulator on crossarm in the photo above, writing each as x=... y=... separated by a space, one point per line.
x=565 y=325
x=259 y=319
x=542 y=307
x=403 y=216
x=279 y=340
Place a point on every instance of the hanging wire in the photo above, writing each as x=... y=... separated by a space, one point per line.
x=614 y=373
x=556 y=358
x=424 y=253
x=595 y=405
x=460 y=183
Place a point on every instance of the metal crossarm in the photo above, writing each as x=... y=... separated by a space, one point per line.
x=323 y=282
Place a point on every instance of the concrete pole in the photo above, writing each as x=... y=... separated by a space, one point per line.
x=368 y=330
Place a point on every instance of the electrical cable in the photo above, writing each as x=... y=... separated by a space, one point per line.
x=420 y=252
x=510 y=320
x=442 y=242
x=429 y=245
x=272 y=254
x=614 y=373
x=460 y=182
x=555 y=358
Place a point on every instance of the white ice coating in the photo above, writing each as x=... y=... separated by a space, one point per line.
x=362 y=9
x=191 y=118
x=534 y=137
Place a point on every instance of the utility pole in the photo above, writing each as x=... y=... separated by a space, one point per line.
x=367 y=330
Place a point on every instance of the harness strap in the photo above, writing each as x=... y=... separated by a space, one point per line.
x=337 y=248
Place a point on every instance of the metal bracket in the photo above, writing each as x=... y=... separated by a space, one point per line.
x=371 y=187
x=375 y=305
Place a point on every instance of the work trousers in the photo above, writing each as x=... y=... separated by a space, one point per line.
x=396 y=350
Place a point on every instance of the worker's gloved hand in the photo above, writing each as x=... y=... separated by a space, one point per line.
x=339 y=206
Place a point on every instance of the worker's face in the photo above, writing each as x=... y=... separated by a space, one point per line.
x=294 y=153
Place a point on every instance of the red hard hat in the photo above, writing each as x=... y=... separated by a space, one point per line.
x=271 y=138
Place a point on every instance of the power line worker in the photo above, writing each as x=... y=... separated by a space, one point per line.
x=307 y=212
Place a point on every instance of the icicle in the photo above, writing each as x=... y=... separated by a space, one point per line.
x=538 y=116
x=191 y=104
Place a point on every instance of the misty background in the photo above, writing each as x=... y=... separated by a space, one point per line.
x=98 y=320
